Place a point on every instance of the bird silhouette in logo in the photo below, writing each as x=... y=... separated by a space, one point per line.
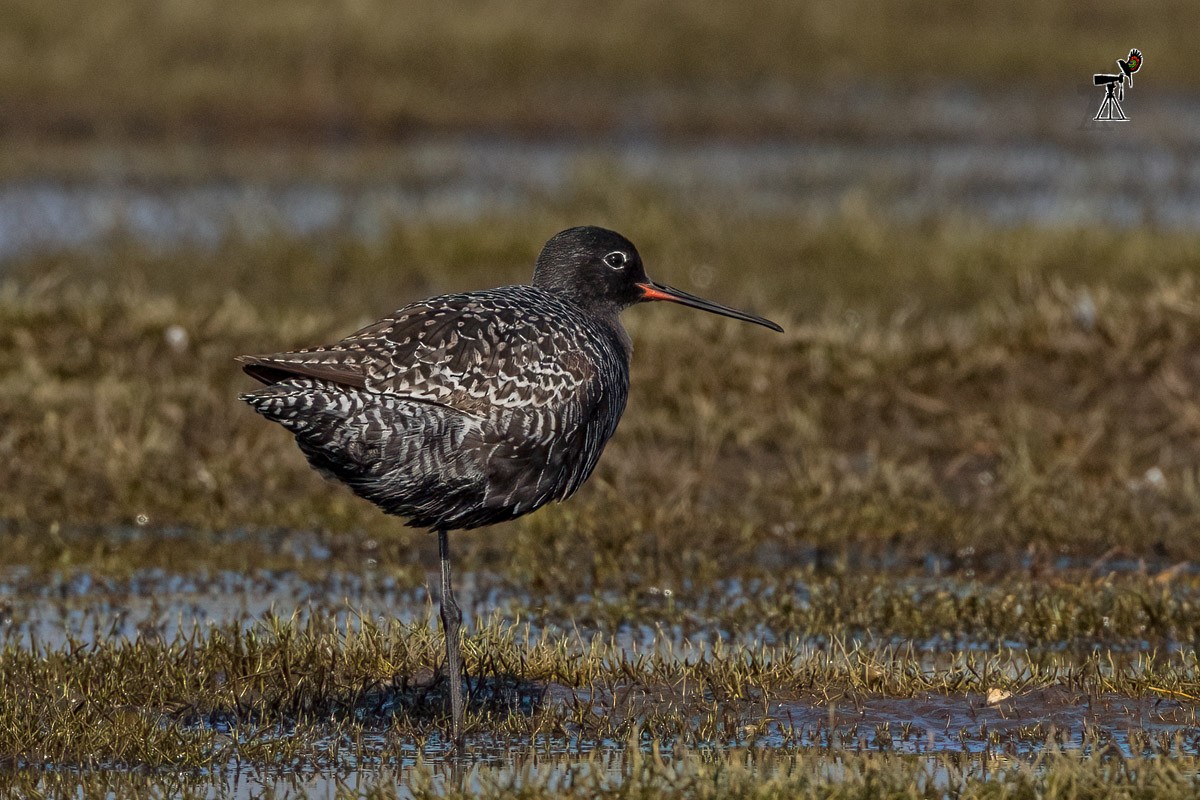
x=1114 y=87
x=1130 y=65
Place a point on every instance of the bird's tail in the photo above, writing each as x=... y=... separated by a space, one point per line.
x=304 y=404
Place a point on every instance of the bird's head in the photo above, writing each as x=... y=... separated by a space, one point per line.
x=602 y=271
x=595 y=267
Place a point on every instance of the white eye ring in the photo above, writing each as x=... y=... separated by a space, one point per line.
x=616 y=259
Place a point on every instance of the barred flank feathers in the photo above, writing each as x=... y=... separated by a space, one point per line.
x=458 y=411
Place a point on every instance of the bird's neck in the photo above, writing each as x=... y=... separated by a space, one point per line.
x=623 y=338
x=608 y=316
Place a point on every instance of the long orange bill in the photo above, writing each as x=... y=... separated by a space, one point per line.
x=657 y=291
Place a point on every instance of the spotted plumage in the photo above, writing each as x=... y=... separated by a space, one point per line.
x=457 y=411
x=469 y=409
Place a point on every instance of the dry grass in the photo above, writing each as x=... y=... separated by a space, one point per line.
x=959 y=391
x=305 y=69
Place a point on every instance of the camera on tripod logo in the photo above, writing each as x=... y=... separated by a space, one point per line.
x=1114 y=87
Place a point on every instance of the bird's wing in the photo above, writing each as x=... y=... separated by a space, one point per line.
x=274 y=368
x=346 y=362
x=475 y=352
x=546 y=385
x=483 y=351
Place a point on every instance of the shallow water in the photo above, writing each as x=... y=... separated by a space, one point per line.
x=85 y=608
x=1018 y=725
x=1036 y=183
x=925 y=728
x=81 y=608
x=1000 y=158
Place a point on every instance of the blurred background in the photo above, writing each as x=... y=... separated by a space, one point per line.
x=184 y=181
x=922 y=197
x=978 y=436
x=187 y=123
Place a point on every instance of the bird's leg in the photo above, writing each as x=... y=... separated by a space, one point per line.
x=451 y=620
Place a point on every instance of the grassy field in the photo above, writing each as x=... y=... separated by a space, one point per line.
x=313 y=694
x=966 y=468
x=311 y=70
x=951 y=390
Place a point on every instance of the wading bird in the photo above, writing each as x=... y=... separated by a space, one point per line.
x=470 y=409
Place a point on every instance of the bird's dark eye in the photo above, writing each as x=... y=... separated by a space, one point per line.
x=616 y=259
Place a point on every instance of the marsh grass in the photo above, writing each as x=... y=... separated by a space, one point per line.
x=967 y=466
x=738 y=773
x=742 y=774
x=311 y=693
x=1039 y=397
x=1073 y=612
